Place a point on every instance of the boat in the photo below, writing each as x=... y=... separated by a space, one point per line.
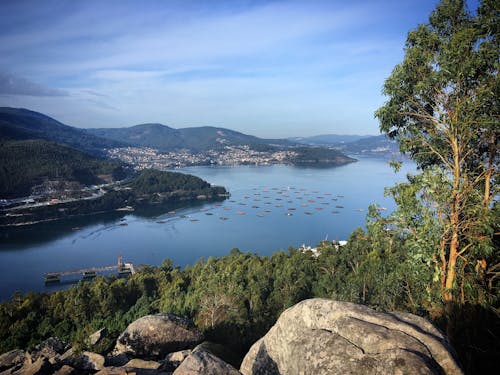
x=223 y=218
x=308 y=213
x=193 y=220
x=126 y=208
x=161 y=221
x=75 y=228
x=255 y=206
x=338 y=206
x=292 y=209
x=335 y=212
x=289 y=214
x=260 y=215
x=318 y=208
x=381 y=209
x=240 y=213
x=171 y=212
x=267 y=210
x=123 y=224
x=209 y=213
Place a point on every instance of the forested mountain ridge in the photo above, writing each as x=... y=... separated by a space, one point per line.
x=22 y=124
x=195 y=139
x=28 y=163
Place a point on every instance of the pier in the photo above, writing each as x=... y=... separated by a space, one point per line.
x=123 y=268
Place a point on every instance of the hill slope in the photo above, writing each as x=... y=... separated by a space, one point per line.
x=25 y=164
x=22 y=124
x=196 y=139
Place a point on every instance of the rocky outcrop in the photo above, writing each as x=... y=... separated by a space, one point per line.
x=154 y=336
x=14 y=358
x=201 y=361
x=320 y=336
x=316 y=336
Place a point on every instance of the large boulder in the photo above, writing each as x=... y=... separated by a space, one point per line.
x=153 y=336
x=320 y=336
x=202 y=362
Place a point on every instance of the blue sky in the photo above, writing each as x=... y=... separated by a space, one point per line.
x=267 y=68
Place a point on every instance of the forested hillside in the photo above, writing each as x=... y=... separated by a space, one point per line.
x=22 y=124
x=25 y=164
x=195 y=139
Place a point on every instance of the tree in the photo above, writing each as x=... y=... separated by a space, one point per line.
x=443 y=110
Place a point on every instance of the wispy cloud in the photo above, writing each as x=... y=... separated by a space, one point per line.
x=267 y=66
x=11 y=84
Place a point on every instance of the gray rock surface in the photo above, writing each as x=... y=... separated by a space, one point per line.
x=97 y=336
x=12 y=359
x=65 y=370
x=203 y=362
x=153 y=336
x=39 y=367
x=87 y=361
x=141 y=363
x=53 y=347
x=321 y=336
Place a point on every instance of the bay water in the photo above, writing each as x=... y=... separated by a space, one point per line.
x=270 y=208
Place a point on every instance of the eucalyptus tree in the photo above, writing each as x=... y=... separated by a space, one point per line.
x=443 y=110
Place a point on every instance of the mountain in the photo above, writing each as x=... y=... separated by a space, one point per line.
x=22 y=124
x=378 y=145
x=196 y=139
x=25 y=164
x=328 y=139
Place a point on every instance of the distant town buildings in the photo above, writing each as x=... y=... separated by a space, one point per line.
x=144 y=158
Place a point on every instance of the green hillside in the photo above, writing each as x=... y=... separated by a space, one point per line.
x=25 y=164
x=22 y=124
x=195 y=139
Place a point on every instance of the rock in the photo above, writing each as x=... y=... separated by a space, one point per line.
x=97 y=336
x=65 y=370
x=11 y=359
x=203 y=362
x=173 y=360
x=320 y=336
x=116 y=360
x=178 y=356
x=50 y=348
x=87 y=361
x=40 y=367
x=141 y=363
x=129 y=371
x=154 y=336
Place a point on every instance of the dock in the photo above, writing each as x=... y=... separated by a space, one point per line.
x=123 y=268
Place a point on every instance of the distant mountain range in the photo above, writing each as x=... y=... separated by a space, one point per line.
x=328 y=139
x=370 y=145
x=22 y=124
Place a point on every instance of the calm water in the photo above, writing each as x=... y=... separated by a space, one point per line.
x=255 y=218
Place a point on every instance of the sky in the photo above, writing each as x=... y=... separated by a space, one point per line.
x=266 y=68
